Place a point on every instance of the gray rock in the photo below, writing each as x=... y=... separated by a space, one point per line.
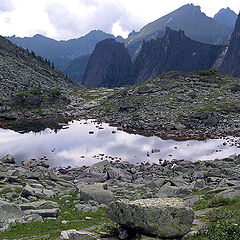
x=231 y=193
x=95 y=192
x=83 y=208
x=76 y=235
x=8 y=159
x=45 y=213
x=42 y=204
x=199 y=184
x=28 y=191
x=9 y=211
x=32 y=218
x=165 y=218
x=123 y=233
x=172 y=191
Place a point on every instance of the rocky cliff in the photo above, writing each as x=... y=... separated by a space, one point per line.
x=109 y=66
x=174 y=52
x=231 y=62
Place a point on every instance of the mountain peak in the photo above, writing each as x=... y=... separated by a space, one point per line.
x=38 y=36
x=226 y=16
x=190 y=19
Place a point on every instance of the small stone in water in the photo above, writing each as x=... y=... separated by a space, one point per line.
x=155 y=150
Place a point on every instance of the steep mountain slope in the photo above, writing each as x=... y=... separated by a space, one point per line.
x=60 y=52
x=226 y=16
x=174 y=52
x=75 y=68
x=188 y=18
x=109 y=66
x=231 y=62
x=21 y=71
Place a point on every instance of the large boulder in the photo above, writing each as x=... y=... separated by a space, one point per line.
x=9 y=211
x=96 y=193
x=162 y=217
x=9 y=214
x=36 y=192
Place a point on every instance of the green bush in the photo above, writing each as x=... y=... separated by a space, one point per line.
x=55 y=93
x=210 y=72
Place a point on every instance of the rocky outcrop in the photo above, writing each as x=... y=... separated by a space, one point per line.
x=176 y=104
x=231 y=62
x=109 y=66
x=174 y=52
x=162 y=217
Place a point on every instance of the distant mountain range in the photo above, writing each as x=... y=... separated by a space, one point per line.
x=62 y=52
x=72 y=56
x=110 y=64
x=188 y=18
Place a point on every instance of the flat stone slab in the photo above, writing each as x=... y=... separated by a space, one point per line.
x=42 y=204
x=162 y=217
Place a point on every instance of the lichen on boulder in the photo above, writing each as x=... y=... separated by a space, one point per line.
x=162 y=217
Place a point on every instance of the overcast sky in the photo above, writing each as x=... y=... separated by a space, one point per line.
x=66 y=19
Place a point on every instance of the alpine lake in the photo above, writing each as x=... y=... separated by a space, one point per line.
x=75 y=143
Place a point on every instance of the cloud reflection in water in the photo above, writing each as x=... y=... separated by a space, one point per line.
x=68 y=146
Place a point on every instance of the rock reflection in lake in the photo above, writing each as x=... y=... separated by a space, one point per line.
x=87 y=142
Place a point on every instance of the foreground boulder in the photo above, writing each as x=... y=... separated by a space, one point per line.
x=165 y=218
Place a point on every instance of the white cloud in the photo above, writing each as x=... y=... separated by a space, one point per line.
x=6 y=5
x=64 y=19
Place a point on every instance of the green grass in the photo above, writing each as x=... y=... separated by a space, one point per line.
x=223 y=223
x=91 y=96
x=209 y=201
x=108 y=107
x=54 y=93
x=210 y=72
x=52 y=228
x=8 y=190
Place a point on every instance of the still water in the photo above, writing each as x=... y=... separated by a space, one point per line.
x=85 y=142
